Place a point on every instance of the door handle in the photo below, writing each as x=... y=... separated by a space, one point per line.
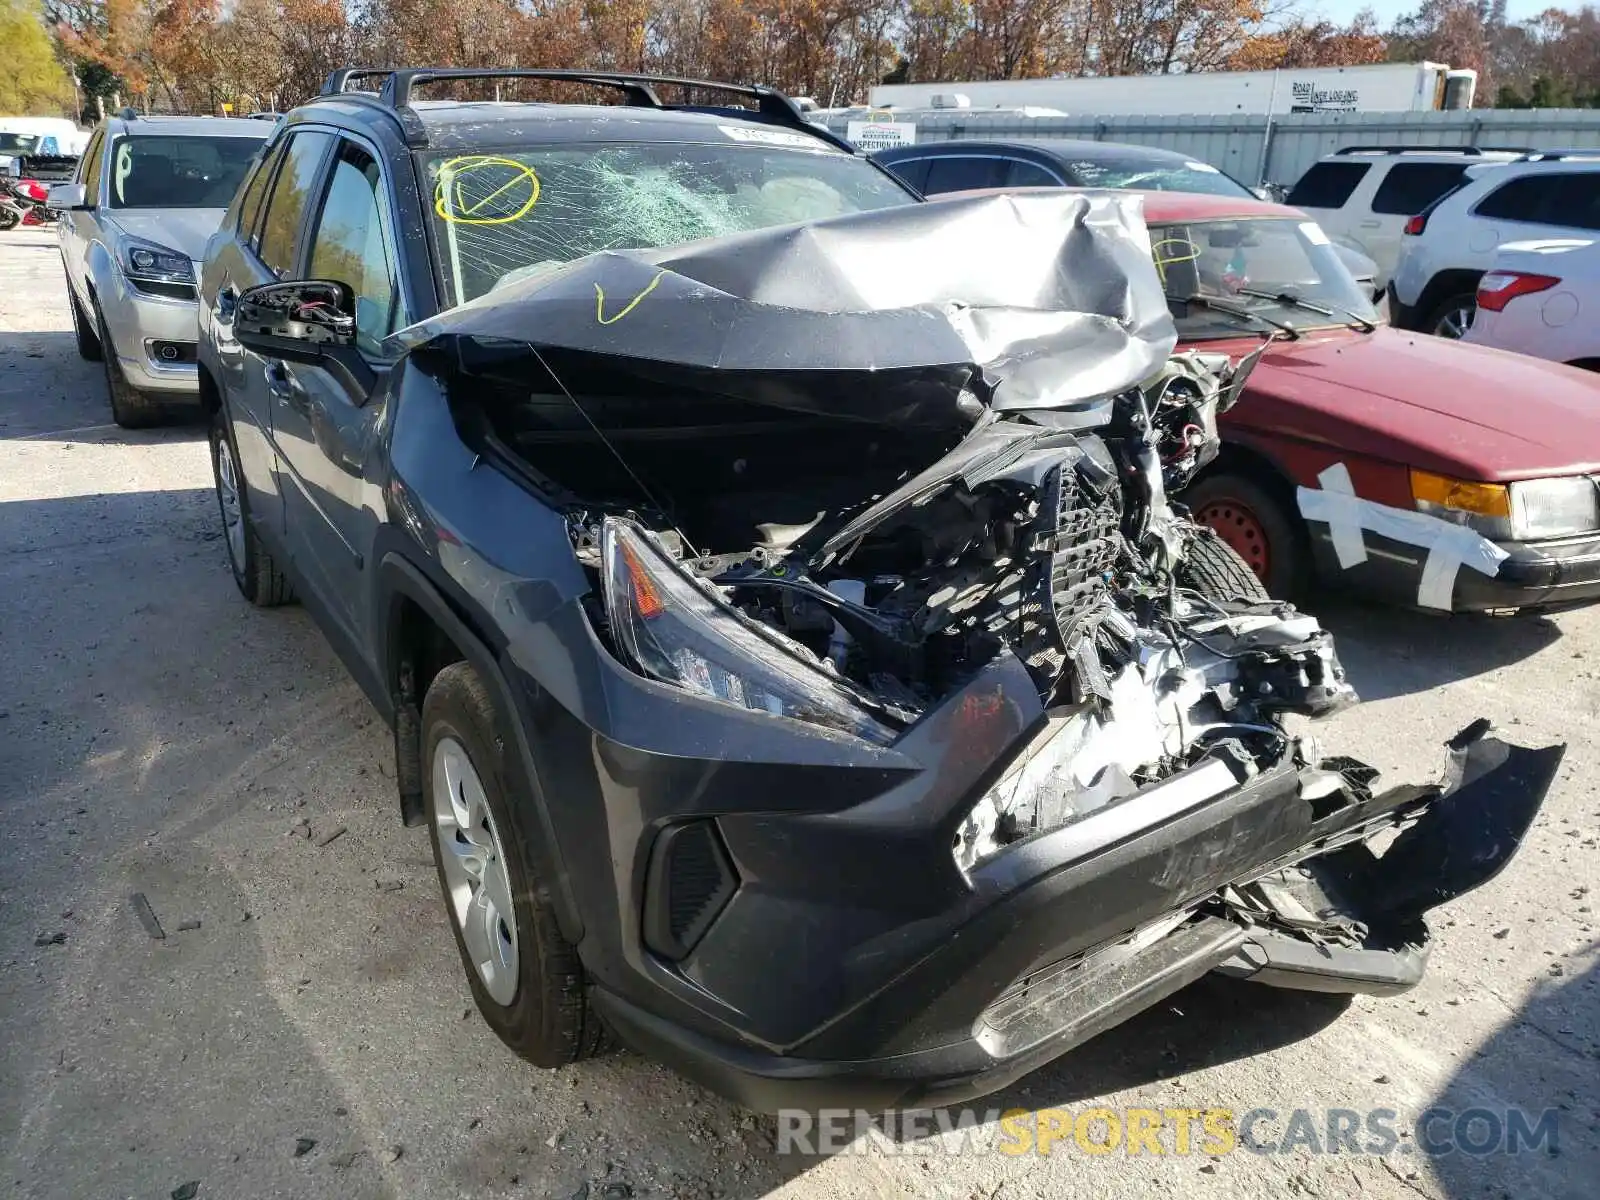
x=1371 y=224
x=282 y=386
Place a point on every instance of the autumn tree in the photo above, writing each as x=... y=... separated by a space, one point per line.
x=1313 y=44
x=32 y=82
x=111 y=34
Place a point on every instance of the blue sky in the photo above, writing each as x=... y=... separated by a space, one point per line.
x=1343 y=10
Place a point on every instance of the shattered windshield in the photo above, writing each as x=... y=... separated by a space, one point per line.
x=1230 y=260
x=502 y=215
x=1154 y=175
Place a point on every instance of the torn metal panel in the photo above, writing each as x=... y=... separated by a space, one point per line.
x=1048 y=300
x=1449 y=547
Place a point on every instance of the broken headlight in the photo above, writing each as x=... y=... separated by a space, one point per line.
x=672 y=630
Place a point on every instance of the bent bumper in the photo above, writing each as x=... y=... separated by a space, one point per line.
x=1076 y=935
x=1535 y=575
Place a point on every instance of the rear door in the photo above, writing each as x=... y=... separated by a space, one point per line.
x=1405 y=190
x=323 y=431
x=1537 y=204
x=266 y=253
x=1327 y=192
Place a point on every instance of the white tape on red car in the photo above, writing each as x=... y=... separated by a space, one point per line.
x=1449 y=546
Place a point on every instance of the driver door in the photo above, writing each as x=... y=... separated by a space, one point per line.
x=323 y=431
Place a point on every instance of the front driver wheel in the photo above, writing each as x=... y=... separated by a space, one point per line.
x=525 y=977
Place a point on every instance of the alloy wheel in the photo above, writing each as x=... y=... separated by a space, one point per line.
x=228 y=501
x=476 y=880
x=1455 y=323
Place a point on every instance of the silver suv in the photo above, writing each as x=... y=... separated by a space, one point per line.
x=148 y=195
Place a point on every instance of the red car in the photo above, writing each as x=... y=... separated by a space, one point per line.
x=1432 y=473
x=1424 y=471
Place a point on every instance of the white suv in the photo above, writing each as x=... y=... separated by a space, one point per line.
x=1448 y=246
x=1363 y=196
x=1542 y=298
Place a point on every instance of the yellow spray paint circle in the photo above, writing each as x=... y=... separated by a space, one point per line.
x=1171 y=251
x=454 y=203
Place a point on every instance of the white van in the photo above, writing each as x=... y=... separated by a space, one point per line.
x=56 y=135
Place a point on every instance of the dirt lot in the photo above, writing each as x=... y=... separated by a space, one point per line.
x=303 y=1028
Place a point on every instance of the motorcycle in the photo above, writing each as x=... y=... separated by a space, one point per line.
x=22 y=202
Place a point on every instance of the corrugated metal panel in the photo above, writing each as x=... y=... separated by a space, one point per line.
x=1235 y=141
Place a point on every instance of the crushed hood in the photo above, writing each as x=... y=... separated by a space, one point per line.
x=1044 y=300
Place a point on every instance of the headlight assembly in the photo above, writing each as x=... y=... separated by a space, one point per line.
x=1550 y=508
x=672 y=630
x=1529 y=510
x=149 y=263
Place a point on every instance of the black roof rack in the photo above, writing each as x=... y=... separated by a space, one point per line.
x=339 y=81
x=1468 y=150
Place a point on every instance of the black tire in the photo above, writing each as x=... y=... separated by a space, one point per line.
x=89 y=348
x=1442 y=320
x=130 y=408
x=258 y=577
x=9 y=218
x=1239 y=508
x=548 y=1021
x=1214 y=569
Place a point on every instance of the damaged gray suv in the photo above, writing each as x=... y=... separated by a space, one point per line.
x=776 y=589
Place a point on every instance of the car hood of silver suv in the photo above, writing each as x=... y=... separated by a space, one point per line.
x=185 y=230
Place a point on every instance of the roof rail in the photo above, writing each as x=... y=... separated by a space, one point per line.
x=1467 y=150
x=1558 y=155
x=772 y=105
x=339 y=81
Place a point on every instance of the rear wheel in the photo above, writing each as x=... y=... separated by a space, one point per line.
x=1257 y=527
x=258 y=577
x=1454 y=317
x=130 y=408
x=525 y=977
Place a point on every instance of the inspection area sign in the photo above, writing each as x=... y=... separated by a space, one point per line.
x=880 y=135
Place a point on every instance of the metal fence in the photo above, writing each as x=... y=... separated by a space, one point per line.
x=1259 y=149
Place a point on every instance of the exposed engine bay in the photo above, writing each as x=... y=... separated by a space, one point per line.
x=1057 y=545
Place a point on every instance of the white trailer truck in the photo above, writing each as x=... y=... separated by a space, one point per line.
x=1388 y=87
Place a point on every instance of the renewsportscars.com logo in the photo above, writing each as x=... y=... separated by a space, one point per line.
x=1435 y=1132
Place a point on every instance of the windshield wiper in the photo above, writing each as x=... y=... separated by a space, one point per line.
x=1325 y=309
x=1236 y=310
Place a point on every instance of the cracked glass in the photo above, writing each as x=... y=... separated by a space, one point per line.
x=500 y=216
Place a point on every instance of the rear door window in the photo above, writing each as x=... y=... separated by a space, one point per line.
x=1410 y=187
x=286 y=206
x=255 y=192
x=1570 y=199
x=914 y=171
x=1027 y=174
x=1328 y=184
x=961 y=172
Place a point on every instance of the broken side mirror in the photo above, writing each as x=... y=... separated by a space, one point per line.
x=311 y=321
x=299 y=321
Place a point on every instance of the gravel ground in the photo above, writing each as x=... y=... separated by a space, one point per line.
x=303 y=1027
